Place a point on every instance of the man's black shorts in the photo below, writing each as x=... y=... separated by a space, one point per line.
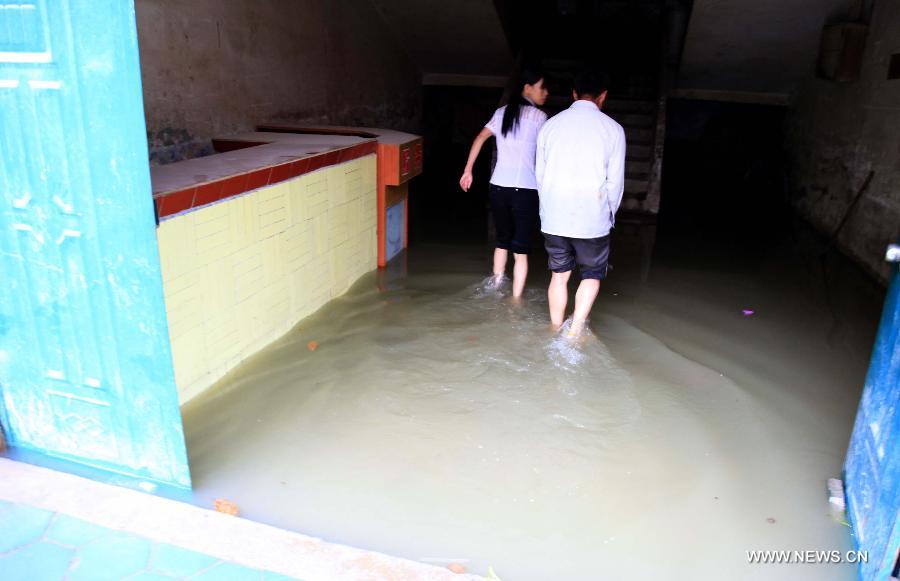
x=590 y=254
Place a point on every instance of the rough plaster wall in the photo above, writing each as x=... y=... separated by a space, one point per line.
x=838 y=133
x=460 y=37
x=757 y=46
x=212 y=67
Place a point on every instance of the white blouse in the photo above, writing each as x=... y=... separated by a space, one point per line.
x=515 y=151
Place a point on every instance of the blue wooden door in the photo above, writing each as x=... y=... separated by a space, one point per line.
x=872 y=470
x=85 y=366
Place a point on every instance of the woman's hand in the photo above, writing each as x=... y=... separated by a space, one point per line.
x=465 y=182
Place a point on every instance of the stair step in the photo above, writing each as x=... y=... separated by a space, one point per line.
x=638 y=152
x=610 y=107
x=637 y=166
x=558 y=101
x=629 y=106
x=639 y=120
x=640 y=196
x=639 y=135
x=636 y=185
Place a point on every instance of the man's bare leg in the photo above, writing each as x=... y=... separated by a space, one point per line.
x=500 y=256
x=558 y=296
x=584 y=300
x=520 y=273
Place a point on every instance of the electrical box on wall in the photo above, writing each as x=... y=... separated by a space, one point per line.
x=841 y=51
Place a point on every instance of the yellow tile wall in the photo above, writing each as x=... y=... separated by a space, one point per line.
x=239 y=274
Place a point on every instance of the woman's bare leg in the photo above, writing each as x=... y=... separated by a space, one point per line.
x=520 y=273
x=500 y=256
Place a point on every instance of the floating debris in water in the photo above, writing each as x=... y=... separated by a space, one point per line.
x=312 y=345
x=837 y=501
x=836 y=493
x=225 y=507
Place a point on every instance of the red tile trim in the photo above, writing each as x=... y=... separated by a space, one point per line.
x=208 y=193
x=177 y=201
x=258 y=179
x=315 y=163
x=170 y=203
x=280 y=173
x=235 y=185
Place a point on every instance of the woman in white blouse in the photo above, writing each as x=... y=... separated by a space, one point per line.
x=513 y=188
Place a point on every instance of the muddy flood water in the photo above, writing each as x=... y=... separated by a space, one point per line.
x=442 y=423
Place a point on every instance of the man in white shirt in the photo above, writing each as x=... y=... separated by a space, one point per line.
x=580 y=171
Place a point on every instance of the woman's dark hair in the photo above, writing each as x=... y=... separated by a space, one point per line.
x=528 y=76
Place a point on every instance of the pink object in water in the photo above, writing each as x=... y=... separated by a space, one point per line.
x=747 y=312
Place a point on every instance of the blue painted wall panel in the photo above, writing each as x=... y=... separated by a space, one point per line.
x=872 y=469
x=85 y=366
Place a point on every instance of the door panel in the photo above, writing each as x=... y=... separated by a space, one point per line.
x=872 y=470
x=85 y=366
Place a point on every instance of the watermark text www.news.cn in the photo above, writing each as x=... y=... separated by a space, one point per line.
x=807 y=557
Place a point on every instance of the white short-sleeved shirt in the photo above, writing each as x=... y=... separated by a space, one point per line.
x=580 y=169
x=515 y=150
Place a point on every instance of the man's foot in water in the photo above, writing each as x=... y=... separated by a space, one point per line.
x=575 y=329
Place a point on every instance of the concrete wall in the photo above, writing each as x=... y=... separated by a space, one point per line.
x=240 y=273
x=463 y=37
x=746 y=48
x=837 y=133
x=212 y=67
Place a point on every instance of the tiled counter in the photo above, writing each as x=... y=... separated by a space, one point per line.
x=257 y=238
x=399 y=161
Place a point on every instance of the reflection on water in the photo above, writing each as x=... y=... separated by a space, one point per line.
x=441 y=421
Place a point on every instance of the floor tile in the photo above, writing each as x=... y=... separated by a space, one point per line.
x=21 y=525
x=178 y=562
x=112 y=557
x=147 y=576
x=74 y=532
x=229 y=572
x=37 y=562
x=269 y=576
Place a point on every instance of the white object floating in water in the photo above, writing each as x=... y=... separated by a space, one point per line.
x=836 y=494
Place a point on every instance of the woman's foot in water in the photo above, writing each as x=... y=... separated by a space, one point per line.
x=496 y=281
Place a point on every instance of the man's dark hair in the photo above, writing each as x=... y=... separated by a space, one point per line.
x=591 y=83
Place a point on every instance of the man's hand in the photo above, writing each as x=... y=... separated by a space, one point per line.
x=465 y=182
